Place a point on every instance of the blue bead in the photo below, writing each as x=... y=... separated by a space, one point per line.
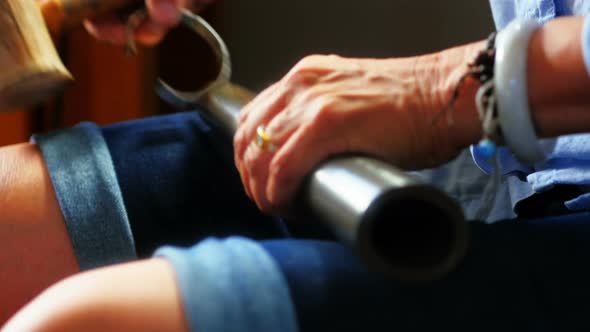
x=486 y=148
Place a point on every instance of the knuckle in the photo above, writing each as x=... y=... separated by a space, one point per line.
x=238 y=141
x=317 y=59
x=249 y=159
x=243 y=115
x=280 y=123
x=279 y=177
x=310 y=95
x=305 y=71
x=325 y=109
x=296 y=77
x=307 y=61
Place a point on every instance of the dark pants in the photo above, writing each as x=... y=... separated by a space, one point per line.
x=179 y=185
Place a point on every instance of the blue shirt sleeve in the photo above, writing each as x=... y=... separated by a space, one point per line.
x=568 y=157
x=231 y=284
x=504 y=11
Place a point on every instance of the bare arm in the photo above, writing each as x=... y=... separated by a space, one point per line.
x=139 y=296
x=557 y=79
x=330 y=105
x=36 y=250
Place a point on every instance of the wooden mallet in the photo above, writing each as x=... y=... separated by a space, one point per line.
x=30 y=67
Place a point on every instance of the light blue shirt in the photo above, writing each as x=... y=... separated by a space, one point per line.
x=568 y=157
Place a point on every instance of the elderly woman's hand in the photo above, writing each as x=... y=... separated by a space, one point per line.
x=163 y=15
x=329 y=105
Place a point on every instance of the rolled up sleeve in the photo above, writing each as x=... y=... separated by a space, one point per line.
x=85 y=183
x=231 y=284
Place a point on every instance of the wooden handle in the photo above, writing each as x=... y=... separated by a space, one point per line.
x=60 y=14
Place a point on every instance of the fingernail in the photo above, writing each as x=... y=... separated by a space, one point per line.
x=167 y=13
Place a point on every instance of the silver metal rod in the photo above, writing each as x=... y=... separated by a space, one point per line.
x=398 y=225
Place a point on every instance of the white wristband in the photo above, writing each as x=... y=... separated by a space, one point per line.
x=510 y=85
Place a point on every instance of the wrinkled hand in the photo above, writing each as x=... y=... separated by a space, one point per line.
x=163 y=15
x=328 y=105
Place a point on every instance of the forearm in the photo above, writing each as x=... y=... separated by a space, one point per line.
x=558 y=80
x=558 y=83
x=36 y=250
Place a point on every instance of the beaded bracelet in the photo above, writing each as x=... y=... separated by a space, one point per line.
x=482 y=70
x=485 y=101
x=502 y=99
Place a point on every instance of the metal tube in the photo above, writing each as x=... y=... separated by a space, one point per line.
x=399 y=226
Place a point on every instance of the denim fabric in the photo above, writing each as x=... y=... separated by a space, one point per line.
x=518 y=276
x=510 y=267
x=526 y=275
x=568 y=156
x=179 y=183
x=85 y=183
x=231 y=285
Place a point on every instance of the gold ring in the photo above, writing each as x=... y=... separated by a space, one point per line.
x=263 y=139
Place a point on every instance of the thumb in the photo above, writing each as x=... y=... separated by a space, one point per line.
x=164 y=12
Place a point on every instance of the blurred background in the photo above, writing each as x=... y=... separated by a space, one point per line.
x=265 y=38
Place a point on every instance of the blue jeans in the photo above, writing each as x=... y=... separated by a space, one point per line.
x=166 y=186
